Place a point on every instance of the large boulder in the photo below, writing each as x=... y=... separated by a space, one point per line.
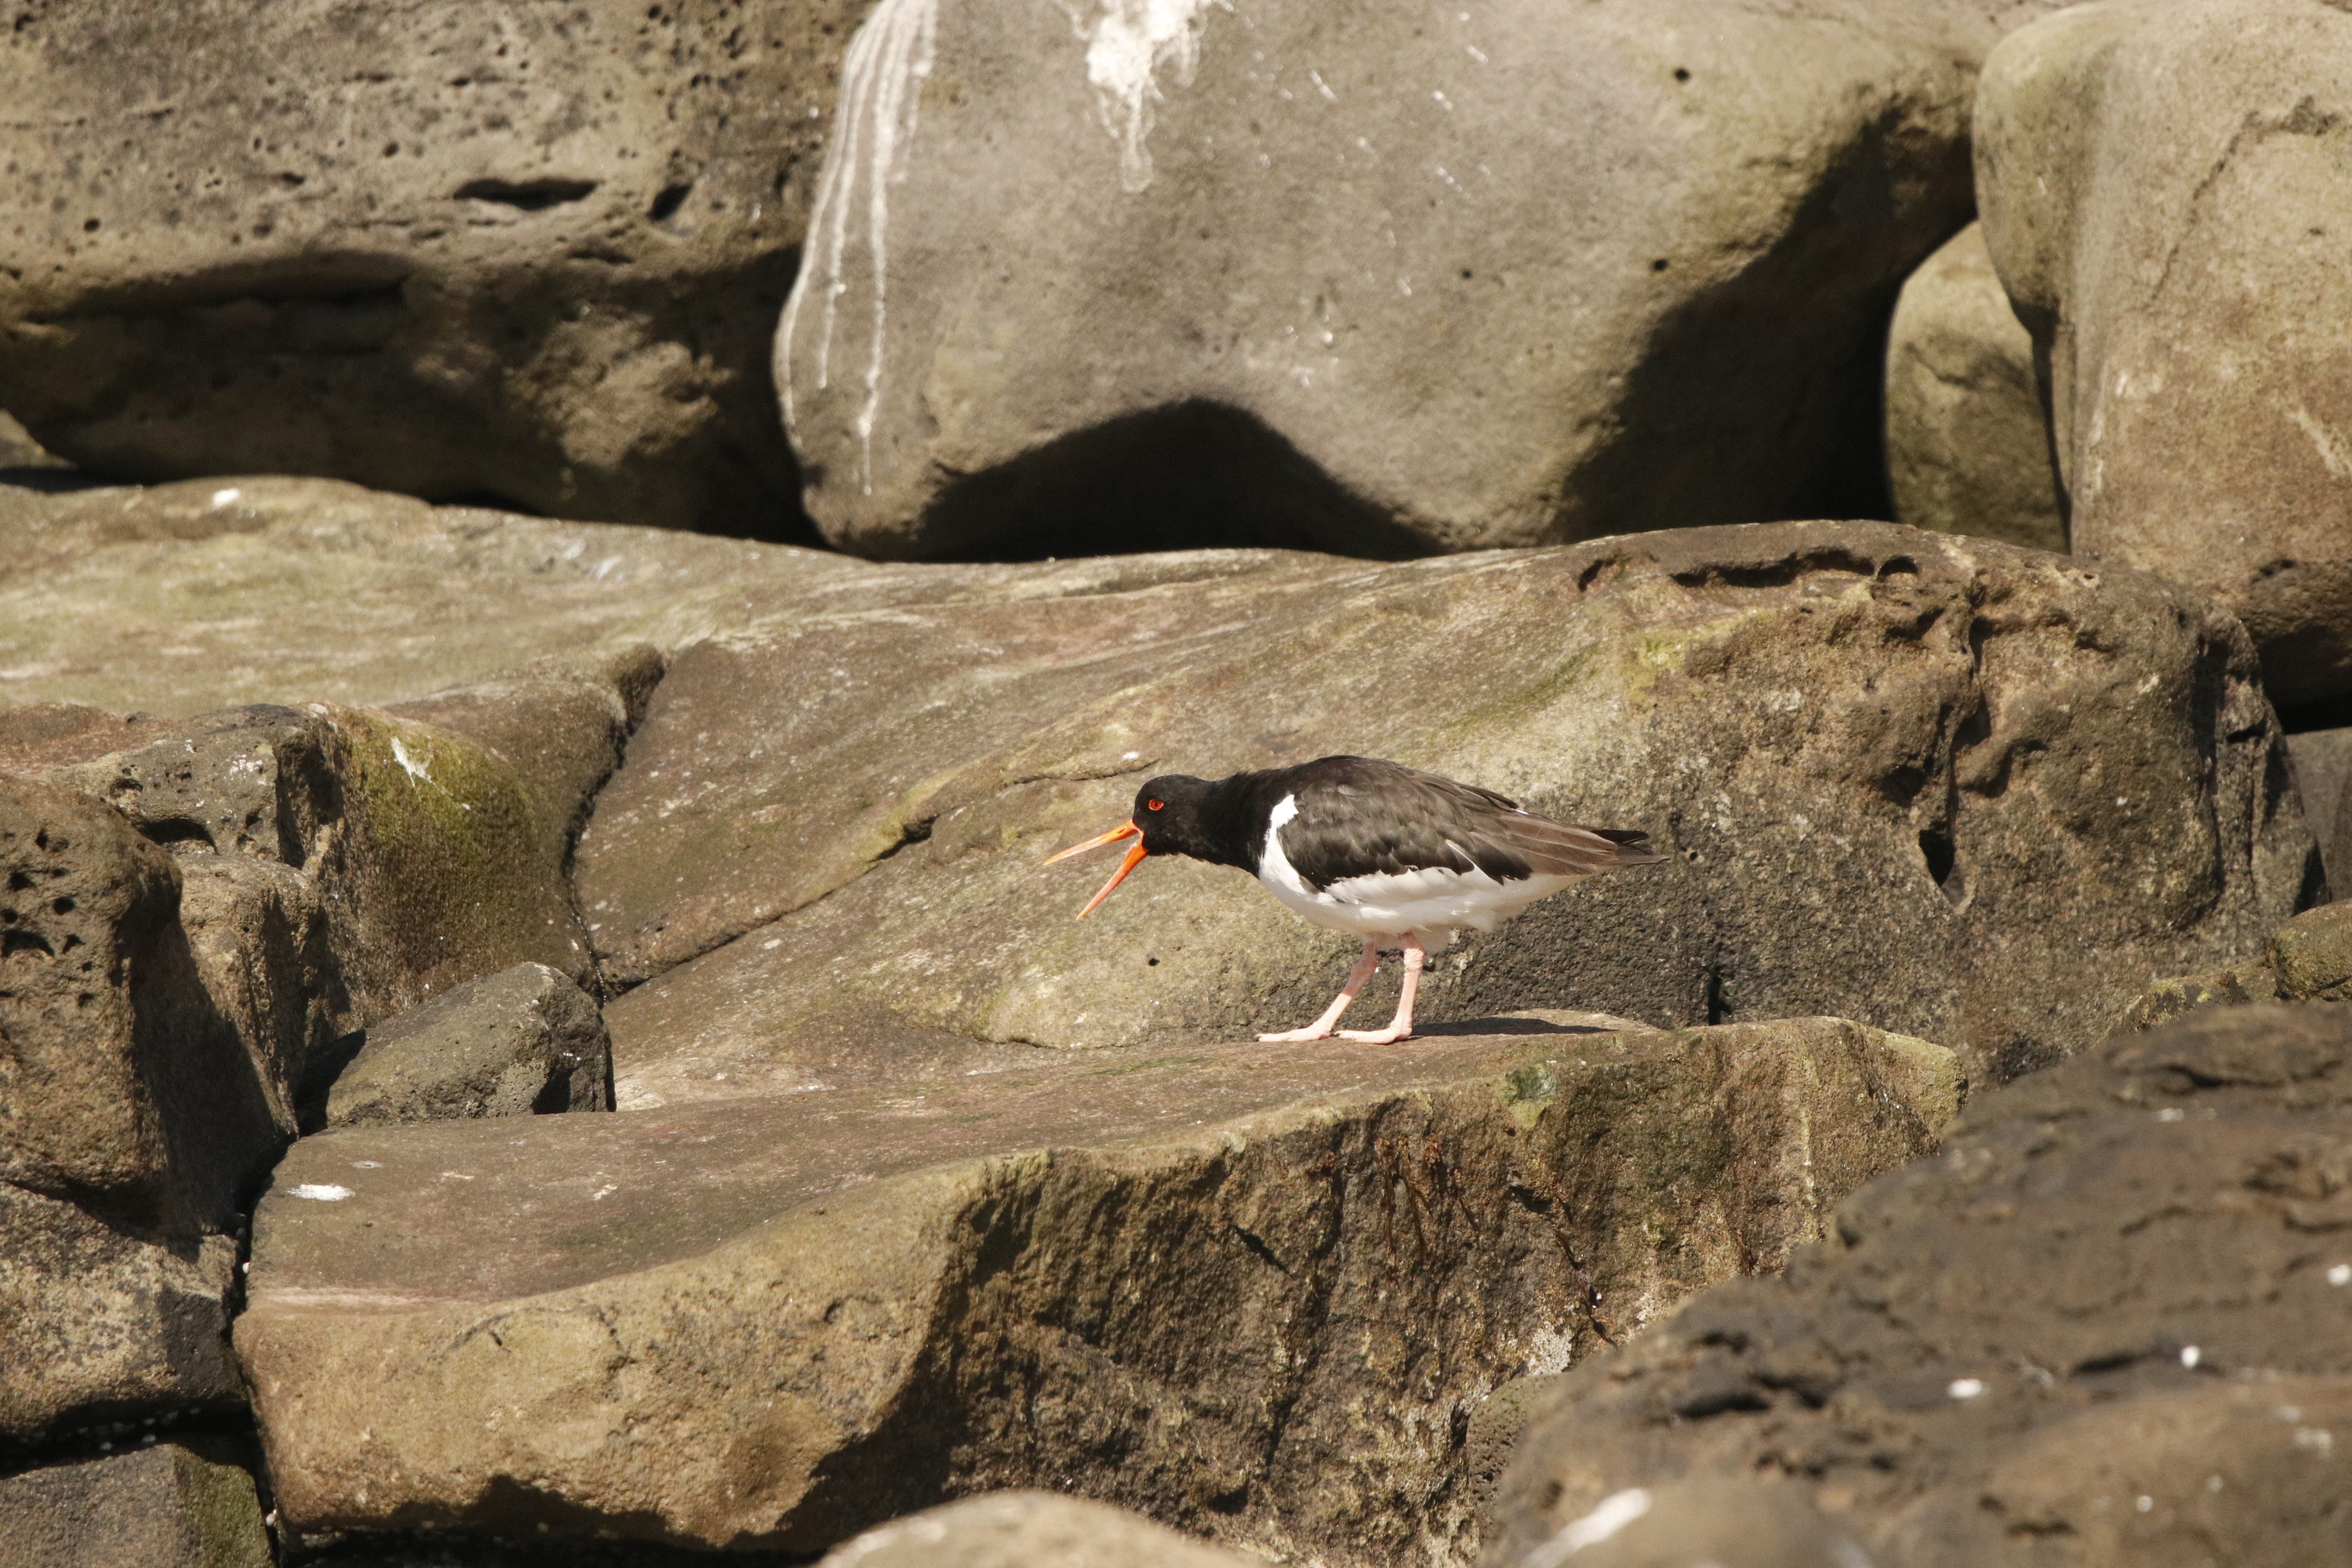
x=2103 y=1326
x=2157 y=182
x=1431 y=279
x=2323 y=776
x=1967 y=449
x=1888 y=765
x=1254 y=1291
x=439 y=247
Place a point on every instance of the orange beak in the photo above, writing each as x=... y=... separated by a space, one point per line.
x=1134 y=858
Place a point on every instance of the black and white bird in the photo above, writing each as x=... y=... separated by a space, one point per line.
x=1396 y=856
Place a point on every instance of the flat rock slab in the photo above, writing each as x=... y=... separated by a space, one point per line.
x=1251 y=1291
x=1888 y=765
x=2106 y=1325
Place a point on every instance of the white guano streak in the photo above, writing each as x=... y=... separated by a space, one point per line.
x=1127 y=45
x=881 y=94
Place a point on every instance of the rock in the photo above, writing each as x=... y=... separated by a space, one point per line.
x=1967 y=449
x=1253 y=1291
x=156 y=599
x=96 y=1322
x=120 y=1089
x=436 y=858
x=19 y=450
x=434 y=249
x=169 y=1506
x=523 y=1040
x=1027 y=1529
x=2309 y=959
x=1888 y=764
x=2322 y=760
x=2148 y=173
x=37 y=736
x=1727 y=1520
x=2100 y=1327
x=1590 y=273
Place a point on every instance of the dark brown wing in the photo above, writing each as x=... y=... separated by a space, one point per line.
x=1360 y=817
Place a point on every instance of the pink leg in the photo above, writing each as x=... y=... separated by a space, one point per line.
x=1400 y=1026
x=1321 y=1027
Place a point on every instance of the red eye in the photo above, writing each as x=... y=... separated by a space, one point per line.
x=1153 y=804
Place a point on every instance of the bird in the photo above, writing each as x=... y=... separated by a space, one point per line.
x=1390 y=854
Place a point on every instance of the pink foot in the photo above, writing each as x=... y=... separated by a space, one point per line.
x=1290 y=1036
x=1377 y=1036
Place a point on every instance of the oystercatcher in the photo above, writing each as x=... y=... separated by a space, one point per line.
x=1390 y=853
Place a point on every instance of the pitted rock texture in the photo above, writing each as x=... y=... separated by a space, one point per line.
x=525 y=1040
x=1433 y=279
x=1887 y=763
x=2155 y=180
x=2309 y=959
x=447 y=249
x=1253 y=1291
x=172 y=1505
x=1027 y=1529
x=1967 y=449
x=2105 y=1325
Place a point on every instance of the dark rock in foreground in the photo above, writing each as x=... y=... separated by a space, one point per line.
x=169 y=1505
x=1253 y=1291
x=2105 y=1325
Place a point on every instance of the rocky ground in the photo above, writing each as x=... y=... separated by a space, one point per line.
x=559 y=576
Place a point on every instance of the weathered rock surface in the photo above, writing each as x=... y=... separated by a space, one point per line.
x=191 y=597
x=1438 y=279
x=168 y=1506
x=523 y=1040
x=444 y=248
x=1027 y=1529
x=1721 y=1521
x=2103 y=1326
x=1967 y=449
x=1254 y=1291
x=120 y=1088
x=97 y=1322
x=2309 y=959
x=2153 y=178
x=2323 y=776
x=1889 y=764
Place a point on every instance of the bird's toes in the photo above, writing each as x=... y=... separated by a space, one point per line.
x=1376 y=1036
x=1292 y=1036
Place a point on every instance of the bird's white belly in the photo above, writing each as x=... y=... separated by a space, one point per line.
x=1431 y=899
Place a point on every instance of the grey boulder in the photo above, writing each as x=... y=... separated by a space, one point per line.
x=440 y=248
x=1431 y=277
x=2158 y=185
x=166 y=1505
x=521 y=1041
x=1967 y=449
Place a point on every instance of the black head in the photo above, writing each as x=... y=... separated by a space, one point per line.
x=1167 y=811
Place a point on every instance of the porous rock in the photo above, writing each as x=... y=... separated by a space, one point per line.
x=1027 y=1529
x=1887 y=763
x=97 y=1322
x=2151 y=176
x=439 y=247
x=1440 y=278
x=1968 y=450
x=2102 y=1326
x=171 y=1505
x=1253 y=1291
x=523 y=1040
